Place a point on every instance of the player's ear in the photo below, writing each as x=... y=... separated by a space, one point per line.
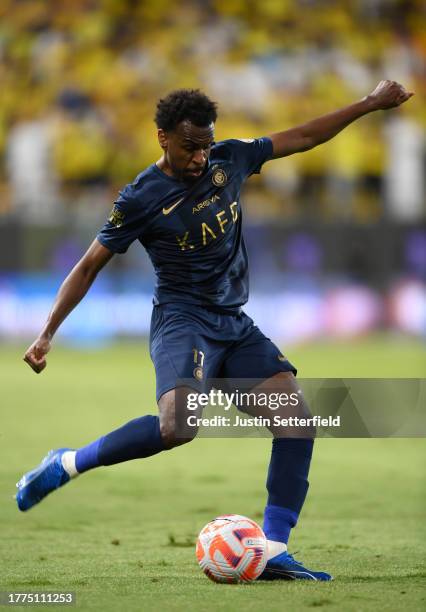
x=162 y=138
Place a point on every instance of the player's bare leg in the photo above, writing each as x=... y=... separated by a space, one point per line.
x=170 y=405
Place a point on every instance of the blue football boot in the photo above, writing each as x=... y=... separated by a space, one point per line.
x=38 y=483
x=285 y=567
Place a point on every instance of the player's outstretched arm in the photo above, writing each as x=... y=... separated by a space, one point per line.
x=72 y=290
x=387 y=94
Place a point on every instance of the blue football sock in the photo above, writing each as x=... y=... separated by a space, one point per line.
x=278 y=522
x=134 y=440
x=287 y=485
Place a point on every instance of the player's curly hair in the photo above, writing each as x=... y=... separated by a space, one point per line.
x=185 y=104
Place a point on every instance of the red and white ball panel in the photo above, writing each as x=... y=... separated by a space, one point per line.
x=232 y=548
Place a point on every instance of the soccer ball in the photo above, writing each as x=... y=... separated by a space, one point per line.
x=232 y=548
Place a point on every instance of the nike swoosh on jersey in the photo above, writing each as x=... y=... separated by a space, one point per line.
x=167 y=211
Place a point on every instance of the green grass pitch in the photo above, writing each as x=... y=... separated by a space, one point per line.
x=123 y=537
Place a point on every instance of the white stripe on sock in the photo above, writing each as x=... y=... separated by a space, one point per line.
x=68 y=463
x=275 y=548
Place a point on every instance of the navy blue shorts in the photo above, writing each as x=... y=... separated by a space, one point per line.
x=193 y=343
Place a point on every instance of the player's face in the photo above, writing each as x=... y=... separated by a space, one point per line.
x=187 y=149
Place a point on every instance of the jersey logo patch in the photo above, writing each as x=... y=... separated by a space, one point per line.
x=198 y=373
x=167 y=211
x=219 y=178
x=116 y=217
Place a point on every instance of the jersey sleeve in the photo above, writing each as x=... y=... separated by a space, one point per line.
x=250 y=154
x=125 y=224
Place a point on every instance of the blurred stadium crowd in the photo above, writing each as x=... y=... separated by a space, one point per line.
x=80 y=81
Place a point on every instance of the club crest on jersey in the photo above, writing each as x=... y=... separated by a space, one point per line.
x=116 y=217
x=219 y=178
x=198 y=373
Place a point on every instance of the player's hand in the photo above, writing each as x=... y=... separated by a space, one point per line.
x=35 y=356
x=389 y=94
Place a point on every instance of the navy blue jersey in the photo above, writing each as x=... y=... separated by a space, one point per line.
x=192 y=232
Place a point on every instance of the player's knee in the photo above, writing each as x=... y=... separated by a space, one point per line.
x=172 y=438
x=173 y=431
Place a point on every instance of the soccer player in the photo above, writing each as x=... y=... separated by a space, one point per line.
x=185 y=210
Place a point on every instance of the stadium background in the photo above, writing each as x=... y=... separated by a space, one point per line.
x=337 y=246
x=335 y=236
